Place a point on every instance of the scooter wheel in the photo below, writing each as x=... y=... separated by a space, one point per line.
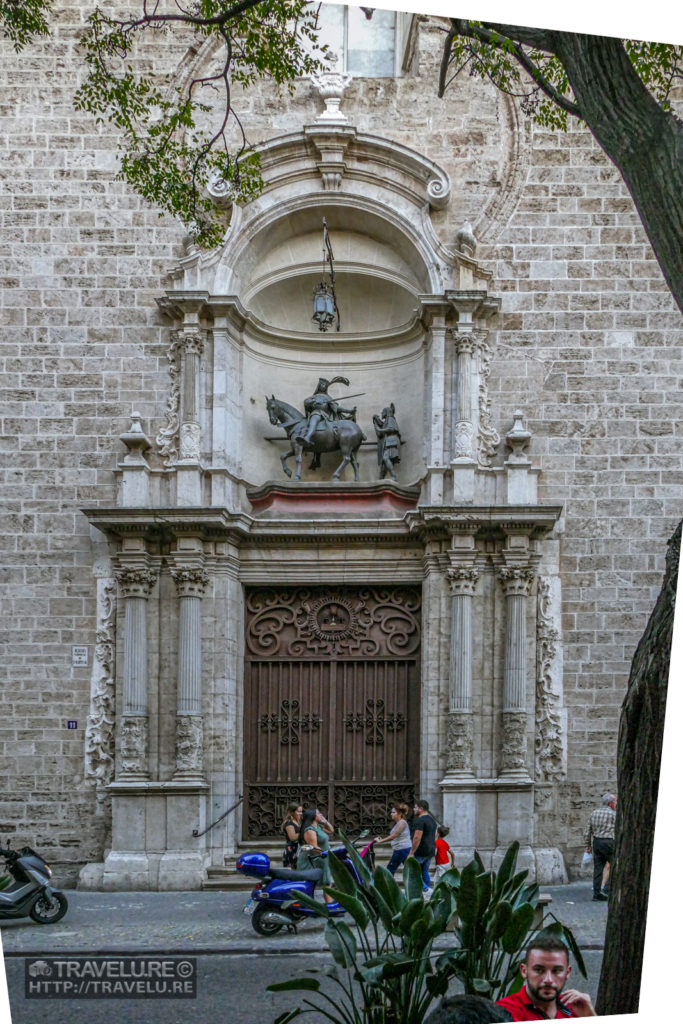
x=49 y=909
x=262 y=921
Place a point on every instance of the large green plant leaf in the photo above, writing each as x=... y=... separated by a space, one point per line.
x=507 y=867
x=388 y=887
x=518 y=928
x=354 y=906
x=499 y=921
x=294 y=984
x=412 y=879
x=342 y=943
x=341 y=876
x=410 y=913
x=360 y=865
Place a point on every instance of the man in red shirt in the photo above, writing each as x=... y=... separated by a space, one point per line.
x=545 y=972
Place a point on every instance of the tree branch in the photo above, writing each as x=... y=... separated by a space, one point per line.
x=500 y=36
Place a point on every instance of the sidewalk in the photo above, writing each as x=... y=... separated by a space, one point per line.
x=201 y=923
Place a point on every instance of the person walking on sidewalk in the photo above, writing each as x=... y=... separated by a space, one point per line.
x=424 y=834
x=445 y=858
x=399 y=837
x=600 y=841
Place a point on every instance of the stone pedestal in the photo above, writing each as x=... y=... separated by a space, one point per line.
x=152 y=843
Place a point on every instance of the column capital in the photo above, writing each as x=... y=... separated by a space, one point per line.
x=465 y=344
x=191 y=340
x=190 y=581
x=462 y=579
x=135 y=581
x=516 y=579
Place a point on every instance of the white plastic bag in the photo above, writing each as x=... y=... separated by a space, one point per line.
x=587 y=860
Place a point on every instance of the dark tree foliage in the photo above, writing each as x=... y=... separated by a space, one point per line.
x=641 y=731
x=620 y=89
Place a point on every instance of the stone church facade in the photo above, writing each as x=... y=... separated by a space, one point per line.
x=189 y=630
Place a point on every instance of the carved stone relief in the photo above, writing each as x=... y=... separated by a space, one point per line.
x=189 y=735
x=516 y=580
x=167 y=438
x=549 y=742
x=460 y=742
x=190 y=442
x=514 y=741
x=463 y=579
x=133 y=745
x=489 y=438
x=99 y=733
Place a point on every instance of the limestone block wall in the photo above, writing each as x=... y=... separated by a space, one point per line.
x=587 y=343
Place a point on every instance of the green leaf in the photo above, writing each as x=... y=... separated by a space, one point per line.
x=507 y=867
x=518 y=928
x=410 y=913
x=342 y=877
x=342 y=943
x=499 y=921
x=388 y=887
x=295 y=984
x=310 y=902
x=354 y=906
x=412 y=879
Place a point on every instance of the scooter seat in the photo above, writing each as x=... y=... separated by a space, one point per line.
x=289 y=875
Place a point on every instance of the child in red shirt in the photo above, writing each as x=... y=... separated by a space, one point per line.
x=444 y=857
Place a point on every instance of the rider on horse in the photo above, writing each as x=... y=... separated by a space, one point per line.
x=320 y=406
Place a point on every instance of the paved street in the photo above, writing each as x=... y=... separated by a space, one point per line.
x=234 y=964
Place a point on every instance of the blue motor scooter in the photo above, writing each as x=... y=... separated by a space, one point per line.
x=273 y=902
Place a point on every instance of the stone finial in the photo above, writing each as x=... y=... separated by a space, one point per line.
x=518 y=437
x=331 y=86
x=465 y=240
x=136 y=441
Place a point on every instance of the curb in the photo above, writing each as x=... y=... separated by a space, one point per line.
x=202 y=951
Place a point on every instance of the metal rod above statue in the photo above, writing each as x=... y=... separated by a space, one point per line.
x=324 y=299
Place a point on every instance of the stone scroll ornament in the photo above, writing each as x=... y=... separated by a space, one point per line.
x=167 y=438
x=549 y=748
x=99 y=733
x=489 y=438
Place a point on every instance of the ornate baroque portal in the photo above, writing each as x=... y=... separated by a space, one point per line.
x=331 y=703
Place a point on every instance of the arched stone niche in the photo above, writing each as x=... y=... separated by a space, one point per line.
x=394 y=276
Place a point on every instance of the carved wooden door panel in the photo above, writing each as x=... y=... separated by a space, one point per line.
x=332 y=703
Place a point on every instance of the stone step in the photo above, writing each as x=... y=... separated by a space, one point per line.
x=227 y=879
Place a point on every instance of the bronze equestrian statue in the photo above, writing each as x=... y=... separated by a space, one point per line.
x=326 y=427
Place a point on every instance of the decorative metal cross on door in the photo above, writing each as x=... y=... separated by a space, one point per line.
x=375 y=720
x=290 y=722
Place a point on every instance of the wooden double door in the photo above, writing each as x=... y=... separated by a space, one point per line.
x=332 y=703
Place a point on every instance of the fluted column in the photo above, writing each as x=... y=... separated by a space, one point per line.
x=460 y=736
x=192 y=346
x=136 y=585
x=466 y=393
x=190 y=584
x=516 y=581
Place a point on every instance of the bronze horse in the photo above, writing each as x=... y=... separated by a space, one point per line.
x=331 y=436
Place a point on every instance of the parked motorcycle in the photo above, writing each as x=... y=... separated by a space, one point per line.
x=273 y=904
x=28 y=891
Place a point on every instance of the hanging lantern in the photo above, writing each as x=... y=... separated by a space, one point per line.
x=323 y=307
x=324 y=299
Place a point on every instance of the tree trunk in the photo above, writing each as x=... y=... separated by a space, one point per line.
x=643 y=141
x=639 y=756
